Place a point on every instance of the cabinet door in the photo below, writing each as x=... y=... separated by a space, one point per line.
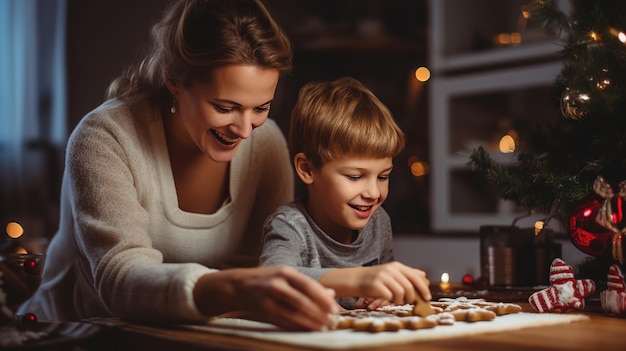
x=472 y=110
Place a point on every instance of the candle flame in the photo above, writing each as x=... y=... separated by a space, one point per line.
x=445 y=277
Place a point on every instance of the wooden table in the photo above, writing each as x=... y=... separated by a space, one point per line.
x=600 y=332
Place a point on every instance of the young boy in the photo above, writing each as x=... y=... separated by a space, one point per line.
x=342 y=141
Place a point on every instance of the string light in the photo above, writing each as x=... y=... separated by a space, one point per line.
x=621 y=36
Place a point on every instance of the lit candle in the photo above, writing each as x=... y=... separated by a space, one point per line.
x=445 y=282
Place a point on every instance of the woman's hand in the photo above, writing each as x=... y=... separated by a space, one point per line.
x=394 y=282
x=277 y=295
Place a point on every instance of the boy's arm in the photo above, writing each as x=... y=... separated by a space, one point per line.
x=284 y=244
x=345 y=281
x=392 y=281
x=281 y=244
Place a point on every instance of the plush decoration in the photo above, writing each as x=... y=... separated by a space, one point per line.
x=565 y=292
x=613 y=299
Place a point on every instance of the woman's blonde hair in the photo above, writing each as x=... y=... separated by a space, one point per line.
x=197 y=36
x=341 y=118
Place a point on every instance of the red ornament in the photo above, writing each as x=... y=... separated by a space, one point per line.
x=31 y=266
x=565 y=292
x=585 y=233
x=468 y=279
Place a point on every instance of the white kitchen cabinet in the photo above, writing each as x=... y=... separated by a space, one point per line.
x=481 y=90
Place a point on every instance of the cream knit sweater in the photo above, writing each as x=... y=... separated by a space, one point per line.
x=124 y=248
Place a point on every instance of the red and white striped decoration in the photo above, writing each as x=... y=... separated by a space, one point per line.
x=613 y=299
x=565 y=292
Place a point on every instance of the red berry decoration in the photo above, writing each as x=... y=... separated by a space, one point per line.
x=585 y=233
x=613 y=299
x=31 y=266
x=28 y=318
x=565 y=292
x=468 y=279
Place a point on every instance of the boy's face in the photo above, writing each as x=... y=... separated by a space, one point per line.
x=345 y=192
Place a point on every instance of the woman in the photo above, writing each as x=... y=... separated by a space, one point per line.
x=175 y=173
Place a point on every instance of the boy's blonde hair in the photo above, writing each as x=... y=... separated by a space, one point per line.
x=340 y=118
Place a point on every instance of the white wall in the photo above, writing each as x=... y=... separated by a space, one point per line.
x=457 y=255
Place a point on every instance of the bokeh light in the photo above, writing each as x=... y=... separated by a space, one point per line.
x=14 y=230
x=507 y=144
x=422 y=74
x=418 y=168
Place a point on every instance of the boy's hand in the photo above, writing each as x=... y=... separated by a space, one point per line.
x=370 y=304
x=395 y=282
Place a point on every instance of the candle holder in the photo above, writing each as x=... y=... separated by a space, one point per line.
x=513 y=256
x=498 y=254
x=20 y=276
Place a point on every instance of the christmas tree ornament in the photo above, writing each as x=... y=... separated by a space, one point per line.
x=602 y=81
x=609 y=219
x=613 y=299
x=606 y=217
x=574 y=104
x=584 y=232
x=565 y=292
x=595 y=223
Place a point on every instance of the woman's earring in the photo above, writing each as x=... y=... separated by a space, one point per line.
x=173 y=108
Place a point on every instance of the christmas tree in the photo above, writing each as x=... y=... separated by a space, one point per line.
x=583 y=155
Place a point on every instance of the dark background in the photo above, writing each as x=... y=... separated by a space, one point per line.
x=378 y=42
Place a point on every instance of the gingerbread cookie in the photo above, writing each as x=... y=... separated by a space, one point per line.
x=398 y=310
x=445 y=311
x=422 y=308
x=462 y=303
x=474 y=314
x=417 y=322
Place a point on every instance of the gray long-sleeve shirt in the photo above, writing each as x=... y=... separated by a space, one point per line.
x=292 y=238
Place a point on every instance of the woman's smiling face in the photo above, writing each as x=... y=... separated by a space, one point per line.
x=219 y=113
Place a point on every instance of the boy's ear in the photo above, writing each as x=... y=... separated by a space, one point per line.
x=303 y=167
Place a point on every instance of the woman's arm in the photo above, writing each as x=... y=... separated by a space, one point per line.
x=277 y=295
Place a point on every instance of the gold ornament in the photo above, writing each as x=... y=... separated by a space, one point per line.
x=574 y=104
x=602 y=80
